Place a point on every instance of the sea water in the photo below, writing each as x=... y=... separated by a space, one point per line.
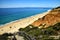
x=11 y=14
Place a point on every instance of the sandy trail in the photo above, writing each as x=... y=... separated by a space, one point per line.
x=22 y=23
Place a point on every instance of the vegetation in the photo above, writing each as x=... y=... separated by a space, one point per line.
x=43 y=34
x=5 y=36
x=39 y=34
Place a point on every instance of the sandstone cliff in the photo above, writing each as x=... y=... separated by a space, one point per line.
x=50 y=19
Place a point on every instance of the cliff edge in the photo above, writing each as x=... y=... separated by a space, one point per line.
x=51 y=18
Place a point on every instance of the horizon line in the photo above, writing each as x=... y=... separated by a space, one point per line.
x=29 y=7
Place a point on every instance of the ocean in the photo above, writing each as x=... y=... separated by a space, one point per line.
x=11 y=14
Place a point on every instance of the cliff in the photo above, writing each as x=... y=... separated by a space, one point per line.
x=51 y=18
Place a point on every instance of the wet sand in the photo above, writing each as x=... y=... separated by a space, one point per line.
x=21 y=23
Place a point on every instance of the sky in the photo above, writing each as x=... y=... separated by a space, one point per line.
x=29 y=3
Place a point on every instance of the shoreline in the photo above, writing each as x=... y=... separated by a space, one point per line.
x=18 y=20
x=13 y=26
x=15 y=21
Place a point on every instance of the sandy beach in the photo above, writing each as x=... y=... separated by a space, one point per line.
x=21 y=23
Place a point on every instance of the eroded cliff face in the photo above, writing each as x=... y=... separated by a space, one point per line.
x=50 y=19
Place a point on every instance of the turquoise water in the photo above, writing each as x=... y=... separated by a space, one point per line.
x=11 y=14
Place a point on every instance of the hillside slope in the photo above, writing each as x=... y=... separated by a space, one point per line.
x=51 y=18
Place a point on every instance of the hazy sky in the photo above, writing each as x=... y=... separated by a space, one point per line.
x=29 y=3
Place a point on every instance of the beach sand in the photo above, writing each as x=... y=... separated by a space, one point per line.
x=21 y=23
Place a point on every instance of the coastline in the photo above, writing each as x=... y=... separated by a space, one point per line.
x=21 y=23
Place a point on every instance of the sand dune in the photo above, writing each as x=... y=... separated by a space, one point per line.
x=22 y=23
